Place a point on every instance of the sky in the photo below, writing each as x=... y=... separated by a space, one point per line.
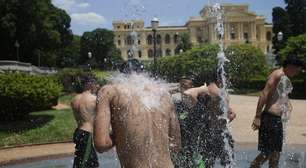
x=87 y=15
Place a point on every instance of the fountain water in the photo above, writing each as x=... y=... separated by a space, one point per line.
x=217 y=12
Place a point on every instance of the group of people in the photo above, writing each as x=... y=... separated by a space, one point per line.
x=174 y=130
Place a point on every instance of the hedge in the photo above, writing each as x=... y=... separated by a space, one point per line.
x=22 y=93
x=73 y=80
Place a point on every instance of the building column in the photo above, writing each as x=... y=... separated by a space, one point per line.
x=253 y=31
x=239 y=31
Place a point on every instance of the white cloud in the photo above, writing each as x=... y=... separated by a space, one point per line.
x=70 y=5
x=83 y=5
x=88 y=18
x=64 y=4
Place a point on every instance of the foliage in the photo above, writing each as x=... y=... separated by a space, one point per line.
x=40 y=28
x=21 y=94
x=280 y=24
x=70 y=55
x=195 y=63
x=296 y=46
x=38 y=127
x=184 y=43
x=296 y=10
x=74 y=80
x=246 y=62
x=100 y=43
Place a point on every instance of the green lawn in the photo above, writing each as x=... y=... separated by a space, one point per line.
x=38 y=127
x=66 y=99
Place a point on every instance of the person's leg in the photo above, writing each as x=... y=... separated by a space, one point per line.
x=274 y=159
x=259 y=160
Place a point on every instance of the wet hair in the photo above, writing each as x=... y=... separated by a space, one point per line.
x=206 y=77
x=293 y=60
x=90 y=84
x=186 y=83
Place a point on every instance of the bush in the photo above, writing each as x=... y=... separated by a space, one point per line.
x=21 y=94
x=247 y=63
x=296 y=46
x=194 y=63
x=73 y=80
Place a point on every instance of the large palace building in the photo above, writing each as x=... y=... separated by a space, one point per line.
x=241 y=26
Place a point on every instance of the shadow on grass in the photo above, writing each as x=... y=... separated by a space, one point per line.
x=27 y=123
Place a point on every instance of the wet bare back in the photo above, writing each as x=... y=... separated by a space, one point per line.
x=144 y=127
x=84 y=106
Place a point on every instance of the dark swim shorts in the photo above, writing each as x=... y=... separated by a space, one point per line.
x=85 y=155
x=270 y=138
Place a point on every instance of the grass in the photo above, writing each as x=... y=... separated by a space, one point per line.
x=38 y=127
x=66 y=99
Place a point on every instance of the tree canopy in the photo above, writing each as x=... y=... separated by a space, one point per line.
x=100 y=43
x=38 y=26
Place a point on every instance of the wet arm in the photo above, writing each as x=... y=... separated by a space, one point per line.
x=102 y=138
x=174 y=131
x=263 y=98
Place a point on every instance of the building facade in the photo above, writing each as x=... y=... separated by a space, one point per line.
x=241 y=26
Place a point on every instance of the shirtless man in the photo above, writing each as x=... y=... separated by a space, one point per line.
x=84 y=106
x=206 y=123
x=142 y=131
x=275 y=102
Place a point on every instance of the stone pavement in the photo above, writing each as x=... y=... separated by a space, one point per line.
x=244 y=136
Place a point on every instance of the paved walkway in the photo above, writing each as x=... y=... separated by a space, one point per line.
x=241 y=128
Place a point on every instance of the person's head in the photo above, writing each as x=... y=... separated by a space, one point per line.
x=91 y=85
x=292 y=66
x=185 y=84
x=213 y=77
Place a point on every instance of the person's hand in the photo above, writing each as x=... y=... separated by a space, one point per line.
x=256 y=123
x=232 y=116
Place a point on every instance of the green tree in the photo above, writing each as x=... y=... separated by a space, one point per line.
x=280 y=24
x=296 y=10
x=246 y=62
x=100 y=43
x=40 y=28
x=194 y=63
x=70 y=55
x=184 y=43
x=296 y=46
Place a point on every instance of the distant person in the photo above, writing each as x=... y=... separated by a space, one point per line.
x=145 y=128
x=273 y=104
x=182 y=107
x=84 y=106
x=207 y=125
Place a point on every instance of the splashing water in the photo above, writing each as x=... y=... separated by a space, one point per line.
x=141 y=84
x=284 y=88
x=217 y=12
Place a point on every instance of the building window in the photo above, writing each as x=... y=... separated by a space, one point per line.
x=150 y=39
x=158 y=39
x=129 y=40
x=176 y=38
x=159 y=53
x=233 y=33
x=118 y=27
x=167 y=39
x=199 y=39
x=150 y=53
x=139 y=42
x=119 y=42
x=168 y=52
x=246 y=37
x=139 y=54
x=269 y=36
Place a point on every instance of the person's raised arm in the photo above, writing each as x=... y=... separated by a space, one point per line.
x=174 y=131
x=102 y=138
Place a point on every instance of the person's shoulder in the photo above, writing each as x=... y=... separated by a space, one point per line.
x=277 y=74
